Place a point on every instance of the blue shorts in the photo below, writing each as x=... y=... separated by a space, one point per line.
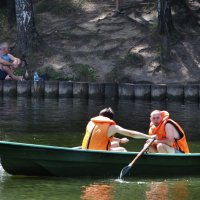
x=177 y=151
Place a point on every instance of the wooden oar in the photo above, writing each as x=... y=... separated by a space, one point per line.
x=127 y=168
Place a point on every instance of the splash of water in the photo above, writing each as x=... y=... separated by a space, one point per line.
x=1 y=173
x=121 y=180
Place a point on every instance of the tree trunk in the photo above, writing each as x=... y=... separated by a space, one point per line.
x=165 y=23
x=27 y=37
x=165 y=27
x=117 y=5
x=165 y=48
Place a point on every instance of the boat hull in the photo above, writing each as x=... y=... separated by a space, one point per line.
x=39 y=160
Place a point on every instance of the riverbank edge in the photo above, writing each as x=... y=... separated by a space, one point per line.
x=93 y=90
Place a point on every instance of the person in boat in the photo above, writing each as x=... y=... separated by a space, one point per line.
x=170 y=136
x=8 y=63
x=100 y=132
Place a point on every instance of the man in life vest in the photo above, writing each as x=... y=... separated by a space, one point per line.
x=100 y=133
x=170 y=136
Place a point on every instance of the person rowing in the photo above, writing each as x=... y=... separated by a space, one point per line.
x=101 y=130
x=170 y=136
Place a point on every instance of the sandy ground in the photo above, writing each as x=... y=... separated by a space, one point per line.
x=122 y=48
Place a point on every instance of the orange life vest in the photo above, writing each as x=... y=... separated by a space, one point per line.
x=96 y=135
x=180 y=144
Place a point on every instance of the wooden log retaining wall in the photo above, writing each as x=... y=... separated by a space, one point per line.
x=128 y=91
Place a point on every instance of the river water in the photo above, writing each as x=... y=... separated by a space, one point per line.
x=62 y=123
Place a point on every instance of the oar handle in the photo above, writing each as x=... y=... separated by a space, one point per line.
x=141 y=152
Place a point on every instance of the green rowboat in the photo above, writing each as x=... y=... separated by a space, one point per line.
x=41 y=160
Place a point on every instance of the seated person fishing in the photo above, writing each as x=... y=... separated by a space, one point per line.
x=8 y=63
x=100 y=132
x=170 y=136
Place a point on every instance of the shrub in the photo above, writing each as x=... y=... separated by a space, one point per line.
x=82 y=72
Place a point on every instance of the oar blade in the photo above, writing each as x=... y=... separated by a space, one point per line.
x=124 y=171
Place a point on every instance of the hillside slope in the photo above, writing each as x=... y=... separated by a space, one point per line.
x=86 y=41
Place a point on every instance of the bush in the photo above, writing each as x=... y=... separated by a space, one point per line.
x=82 y=72
x=51 y=74
x=3 y=22
x=133 y=59
x=20 y=71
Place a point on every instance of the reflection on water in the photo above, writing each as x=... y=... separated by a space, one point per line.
x=2 y=174
x=62 y=123
x=36 y=188
x=102 y=191
x=164 y=191
x=157 y=191
x=39 y=188
x=147 y=189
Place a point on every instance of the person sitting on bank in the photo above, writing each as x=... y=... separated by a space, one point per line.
x=100 y=132
x=8 y=63
x=170 y=136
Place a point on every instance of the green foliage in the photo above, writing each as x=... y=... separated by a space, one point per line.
x=47 y=52
x=158 y=50
x=82 y=72
x=117 y=75
x=68 y=35
x=132 y=59
x=20 y=71
x=150 y=6
x=3 y=22
x=153 y=27
x=52 y=74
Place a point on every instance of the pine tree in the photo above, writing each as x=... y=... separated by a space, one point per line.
x=27 y=36
x=165 y=27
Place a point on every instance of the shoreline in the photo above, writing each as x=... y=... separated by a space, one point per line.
x=93 y=90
